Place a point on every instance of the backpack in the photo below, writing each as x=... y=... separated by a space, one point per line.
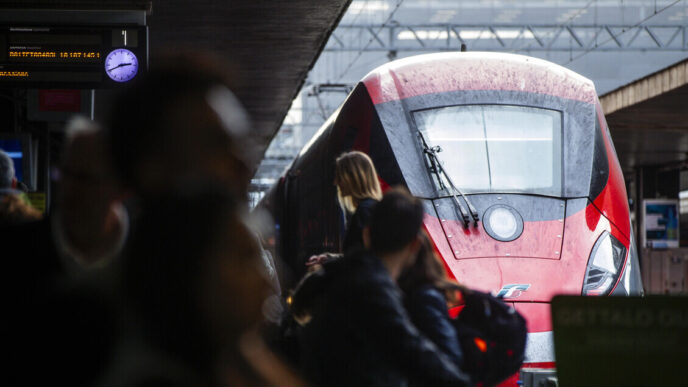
x=492 y=336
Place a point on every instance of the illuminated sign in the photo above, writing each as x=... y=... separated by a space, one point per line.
x=66 y=57
x=660 y=223
x=14 y=74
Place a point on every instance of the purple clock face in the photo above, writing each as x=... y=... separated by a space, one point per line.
x=121 y=65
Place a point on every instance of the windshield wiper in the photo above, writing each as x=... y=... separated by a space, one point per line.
x=437 y=168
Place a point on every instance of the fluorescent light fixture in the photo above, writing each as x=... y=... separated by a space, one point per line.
x=423 y=35
x=357 y=7
x=571 y=15
x=443 y=16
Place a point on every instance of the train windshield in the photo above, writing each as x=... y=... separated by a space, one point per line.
x=497 y=148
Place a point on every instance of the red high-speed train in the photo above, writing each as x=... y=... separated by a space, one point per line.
x=512 y=158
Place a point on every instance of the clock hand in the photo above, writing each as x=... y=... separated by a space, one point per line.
x=119 y=65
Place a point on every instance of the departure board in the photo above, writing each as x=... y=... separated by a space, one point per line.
x=72 y=57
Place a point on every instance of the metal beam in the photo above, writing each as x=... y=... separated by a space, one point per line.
x=394 y=37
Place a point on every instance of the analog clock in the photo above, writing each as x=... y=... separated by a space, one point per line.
x=121 y=65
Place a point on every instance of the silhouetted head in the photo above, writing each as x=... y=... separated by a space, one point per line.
x=356 y=179
x=180 y=125
x=428 y=270
x=395 y=222
x=7 y=179
x=87 y=189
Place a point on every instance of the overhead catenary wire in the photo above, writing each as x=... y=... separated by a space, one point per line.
x=589 y=50
x=565 y=22
x=372 y=38
x=353 y=21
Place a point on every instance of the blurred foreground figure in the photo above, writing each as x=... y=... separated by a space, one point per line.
x=359 y=333
x=192 y=280
x=178 y=126
x=90 y=223
x=47 y=309
x=193 y=291
x=13 y=209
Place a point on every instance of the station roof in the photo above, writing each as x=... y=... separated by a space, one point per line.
x=647 y=118
x=270 y=45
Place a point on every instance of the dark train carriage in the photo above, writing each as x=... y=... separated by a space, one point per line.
x=304 y=201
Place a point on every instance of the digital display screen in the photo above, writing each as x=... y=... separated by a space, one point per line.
x=660 y=223
x=22 y=55
x=66 y=57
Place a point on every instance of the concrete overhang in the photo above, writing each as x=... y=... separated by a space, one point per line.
x=648 y=118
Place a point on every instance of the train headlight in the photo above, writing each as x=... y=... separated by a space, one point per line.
x=604 y=267
x=503 y=223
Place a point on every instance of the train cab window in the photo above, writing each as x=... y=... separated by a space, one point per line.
x=497 y=148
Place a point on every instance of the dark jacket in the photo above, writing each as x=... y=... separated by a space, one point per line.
x=358 y=221
x=427 y=308
x=44 y=310
x=360 y=334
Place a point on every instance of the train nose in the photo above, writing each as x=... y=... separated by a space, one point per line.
x=509 y=226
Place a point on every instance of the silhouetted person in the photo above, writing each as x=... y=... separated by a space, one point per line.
x=88 y=227
x=427 y=292
x=193 y=289
x=358 y=190
x=359 y=333
x=13 y=208
x=191 y=274
x=90 y=223
x=180 y=125
x=87 y=230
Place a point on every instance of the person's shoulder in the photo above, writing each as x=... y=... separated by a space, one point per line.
x=359 y=268
x=360 y=258
x=428 y=291
x=367 y=204
x=427 y=295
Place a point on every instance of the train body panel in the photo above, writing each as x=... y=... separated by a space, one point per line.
x=527 y=143
x=545 y=277
x=540 y=237
x=439 y=73
x=608 y=201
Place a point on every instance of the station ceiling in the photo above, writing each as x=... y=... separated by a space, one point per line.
x=270 y=45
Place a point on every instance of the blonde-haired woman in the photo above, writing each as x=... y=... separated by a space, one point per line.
x=358 y=190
